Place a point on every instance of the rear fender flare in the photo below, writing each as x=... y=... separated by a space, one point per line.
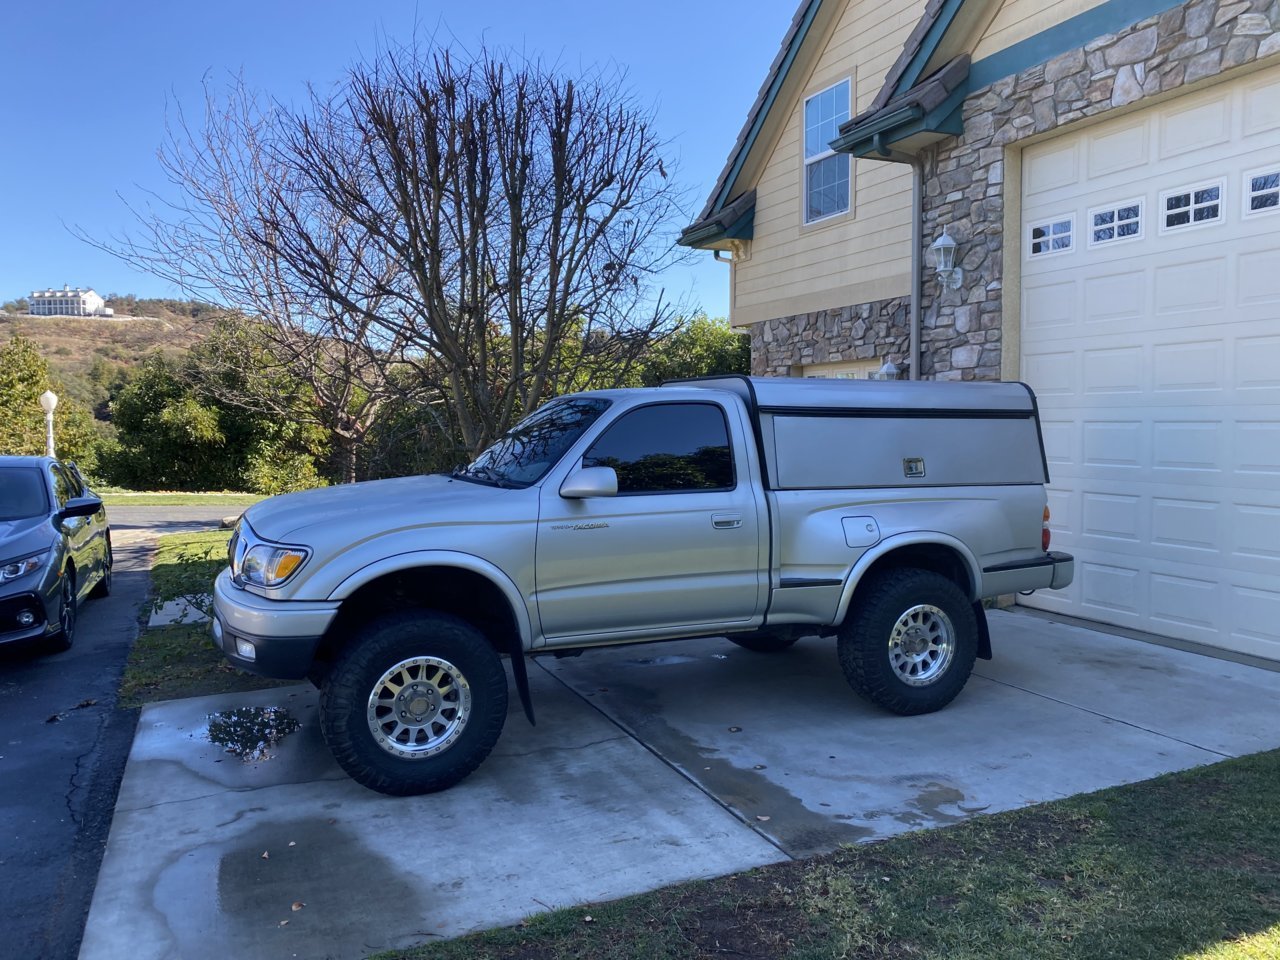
x=884 y=547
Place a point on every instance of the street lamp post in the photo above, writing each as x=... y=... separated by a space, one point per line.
x=48 y=402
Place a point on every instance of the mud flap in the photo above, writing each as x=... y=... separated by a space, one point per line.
x=984 y=631
x=519 y=670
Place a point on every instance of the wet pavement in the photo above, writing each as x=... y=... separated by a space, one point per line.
x=649 y=766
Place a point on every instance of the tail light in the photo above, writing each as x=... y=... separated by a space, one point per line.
x=1044 y=532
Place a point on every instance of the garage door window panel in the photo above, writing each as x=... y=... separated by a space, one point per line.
x=667 y=448
x=1194 y=206
x=1054 y=235
x=1115 y=223
x=1262 y=192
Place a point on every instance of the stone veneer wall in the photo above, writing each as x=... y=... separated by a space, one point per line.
x=861 y=332
x=965 y=184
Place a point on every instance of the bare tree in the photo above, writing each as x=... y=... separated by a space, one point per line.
x=526 y=214
x=490 y=225
x=298 y=344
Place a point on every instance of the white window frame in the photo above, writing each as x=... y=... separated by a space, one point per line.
x=806 y=162
x=843 y=369
x=1115 y=208
x=1049 y=222
x=1193 y=223
x=1249 y=193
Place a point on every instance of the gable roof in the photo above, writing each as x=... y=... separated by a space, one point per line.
x=701 y=231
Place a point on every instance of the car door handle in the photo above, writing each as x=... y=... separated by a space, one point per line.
x=726 y=521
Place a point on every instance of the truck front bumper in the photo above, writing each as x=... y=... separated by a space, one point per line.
x=272 y=638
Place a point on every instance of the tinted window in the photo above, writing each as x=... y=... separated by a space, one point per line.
x=22 y=493
x=665 y=448
x=62 y=488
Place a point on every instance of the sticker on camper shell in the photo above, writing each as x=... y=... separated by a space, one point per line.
x=913 y=467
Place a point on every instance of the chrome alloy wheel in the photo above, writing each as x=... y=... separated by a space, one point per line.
x=921 y=645
x=419 y=707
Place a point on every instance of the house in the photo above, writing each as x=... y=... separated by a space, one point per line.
x=67 y=302
x=1109 y=172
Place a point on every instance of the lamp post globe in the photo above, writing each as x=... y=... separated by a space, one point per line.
x=48 y=403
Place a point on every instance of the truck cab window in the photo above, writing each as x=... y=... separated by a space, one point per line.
x=667 y=448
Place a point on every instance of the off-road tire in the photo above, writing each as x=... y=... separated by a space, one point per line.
x=390 y=640
x=864 y=644
x=765 y=642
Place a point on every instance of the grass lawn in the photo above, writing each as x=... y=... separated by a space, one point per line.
x=179 y=660
x=1183 y=867
x=115 y=497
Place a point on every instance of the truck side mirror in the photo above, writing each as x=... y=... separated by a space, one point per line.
x=590 y=482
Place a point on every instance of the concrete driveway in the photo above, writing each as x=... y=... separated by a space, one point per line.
x=649 y=766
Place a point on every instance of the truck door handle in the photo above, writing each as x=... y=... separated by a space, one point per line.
x=726 y=521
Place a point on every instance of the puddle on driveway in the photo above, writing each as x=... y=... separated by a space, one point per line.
x=763 y=804
x=228 y=900
x=250 y=732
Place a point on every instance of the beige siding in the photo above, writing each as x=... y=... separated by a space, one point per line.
x=1019 y=19
x=857 y=257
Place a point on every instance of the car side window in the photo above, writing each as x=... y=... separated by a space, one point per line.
x=63 y=490
x=667 y=448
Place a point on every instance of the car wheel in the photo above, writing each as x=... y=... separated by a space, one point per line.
x=103 y=587
x=66 y=634
x=414 y=703
x=910 y=641
x=765 y=642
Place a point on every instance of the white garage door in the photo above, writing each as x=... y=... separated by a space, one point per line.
x=1151 y=334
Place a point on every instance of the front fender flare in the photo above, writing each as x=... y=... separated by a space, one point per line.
x=887 y=546
x=443 y=558
x=462 y=561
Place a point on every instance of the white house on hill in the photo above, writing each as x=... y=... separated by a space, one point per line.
x=68 y=302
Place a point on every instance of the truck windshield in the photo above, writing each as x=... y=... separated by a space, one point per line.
x=532 y=447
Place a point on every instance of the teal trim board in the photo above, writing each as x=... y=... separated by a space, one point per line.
x=779 y=78
x=928 y=46
x=1084 y=28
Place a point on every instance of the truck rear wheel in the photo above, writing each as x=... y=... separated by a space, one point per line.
x=909 y=642
x=414 y=703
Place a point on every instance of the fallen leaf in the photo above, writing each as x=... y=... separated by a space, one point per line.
x=85 y=703
x=735 y=729
x=284 y=923
x=762 y=818
x=759 y=766
x=298 y=905
x=265 y=855
x=292 y=843
x=55 y=718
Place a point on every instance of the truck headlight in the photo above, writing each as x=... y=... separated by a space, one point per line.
x=20 y=568
x=269 y=566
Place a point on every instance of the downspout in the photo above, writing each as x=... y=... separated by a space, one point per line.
x=917 y=249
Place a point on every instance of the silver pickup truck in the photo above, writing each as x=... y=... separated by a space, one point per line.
x=762 y=510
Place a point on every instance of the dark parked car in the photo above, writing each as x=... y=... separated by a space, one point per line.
x=55 y=549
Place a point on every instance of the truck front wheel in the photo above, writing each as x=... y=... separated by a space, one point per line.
x=909 y=641
x=414 y=703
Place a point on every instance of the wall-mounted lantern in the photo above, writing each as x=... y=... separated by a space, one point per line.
x=944 y=262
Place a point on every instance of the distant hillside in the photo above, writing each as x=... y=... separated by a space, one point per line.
x=89 y=354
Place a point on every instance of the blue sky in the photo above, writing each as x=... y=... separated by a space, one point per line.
x=87 y=84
